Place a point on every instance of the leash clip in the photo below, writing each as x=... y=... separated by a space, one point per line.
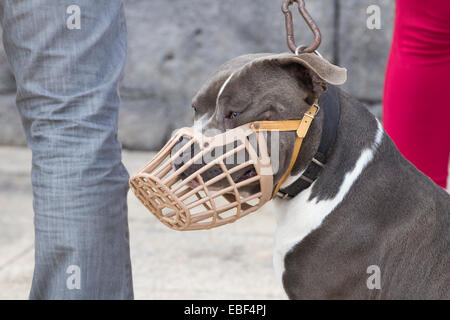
x=290 y=27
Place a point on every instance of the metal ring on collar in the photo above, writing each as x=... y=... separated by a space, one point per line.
x=300 y=47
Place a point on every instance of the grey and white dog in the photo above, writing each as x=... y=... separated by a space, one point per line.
x=368 y=207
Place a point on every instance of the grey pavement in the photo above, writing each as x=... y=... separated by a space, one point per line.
x=230 y=262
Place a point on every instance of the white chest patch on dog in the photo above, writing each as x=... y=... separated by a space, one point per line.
x=299 y=217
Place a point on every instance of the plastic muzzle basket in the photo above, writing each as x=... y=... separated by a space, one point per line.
x=181 y=198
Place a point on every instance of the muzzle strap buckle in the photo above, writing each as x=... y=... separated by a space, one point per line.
x=301 y=126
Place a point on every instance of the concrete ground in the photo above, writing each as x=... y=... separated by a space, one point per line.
x=231 y=262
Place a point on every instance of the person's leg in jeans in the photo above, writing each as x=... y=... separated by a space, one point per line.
x=67 y=71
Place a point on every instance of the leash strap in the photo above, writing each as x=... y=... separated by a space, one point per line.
x=301 y=127
x=329 y=101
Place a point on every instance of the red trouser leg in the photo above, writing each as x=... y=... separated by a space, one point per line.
x=416 y=106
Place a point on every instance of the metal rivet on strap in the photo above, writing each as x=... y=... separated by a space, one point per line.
x=306 y=179
x=282 y=195
x=320 y=164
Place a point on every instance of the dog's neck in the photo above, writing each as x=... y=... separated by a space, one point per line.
x=329 y=121
x=358 y=139
x=344 y=153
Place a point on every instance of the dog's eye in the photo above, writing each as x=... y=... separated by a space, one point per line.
x=195 y=108
x=233 y=115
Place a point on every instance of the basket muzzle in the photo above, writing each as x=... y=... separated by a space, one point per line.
x=197 y=182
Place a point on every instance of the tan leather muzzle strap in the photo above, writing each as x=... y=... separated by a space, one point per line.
x=300 y=126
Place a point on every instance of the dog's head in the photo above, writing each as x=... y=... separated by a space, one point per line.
x=265 y=87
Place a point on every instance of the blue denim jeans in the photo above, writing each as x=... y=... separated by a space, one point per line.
x=67 y=61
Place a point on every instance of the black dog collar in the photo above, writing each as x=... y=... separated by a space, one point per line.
x=330 y=106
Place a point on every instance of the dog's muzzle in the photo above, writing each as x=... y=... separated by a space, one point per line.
x=198 y=182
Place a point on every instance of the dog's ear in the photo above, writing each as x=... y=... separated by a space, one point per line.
x=313 y=85
x=311 y=70
x=326 y=71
